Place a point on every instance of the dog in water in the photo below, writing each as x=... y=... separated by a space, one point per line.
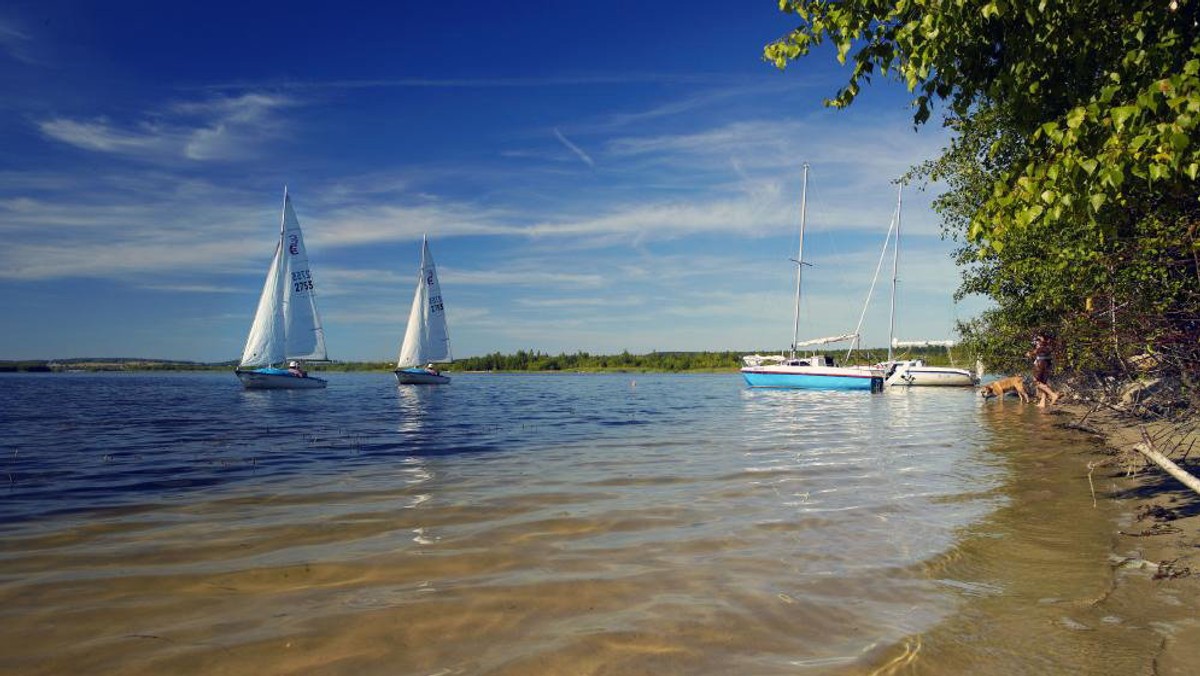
x=1003 y=386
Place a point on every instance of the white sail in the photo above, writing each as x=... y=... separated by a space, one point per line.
x=426 y=339
x=286 y=324
x=305 y=339
x=264 y=345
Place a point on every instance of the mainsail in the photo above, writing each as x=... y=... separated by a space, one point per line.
x=426 y=339
x=302 y=324
x=286 y=323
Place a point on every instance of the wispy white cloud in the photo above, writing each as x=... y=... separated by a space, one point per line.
x=581 y=80
x=590 y=303
x=219 y=128
x=193 y=288
x=574 y=148
x=363 y=224
x=101 y=136
x=750 y=214
x=121 y=226
x=509 y=277
x=16 y=42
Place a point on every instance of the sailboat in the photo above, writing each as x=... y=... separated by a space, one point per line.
x=426 y=340
x=915 y=372
x=816 y=371
x=287 y=327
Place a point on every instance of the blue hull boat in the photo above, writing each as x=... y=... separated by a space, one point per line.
x=815 y=372
x=814 y=378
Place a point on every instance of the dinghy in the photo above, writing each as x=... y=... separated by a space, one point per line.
x=427 y=339
x=287 y=327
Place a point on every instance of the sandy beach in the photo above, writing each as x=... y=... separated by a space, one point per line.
x=1155 y=553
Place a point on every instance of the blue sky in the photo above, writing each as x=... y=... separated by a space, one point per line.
x=599 y=176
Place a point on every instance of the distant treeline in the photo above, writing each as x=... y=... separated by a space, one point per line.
x=522 y=360
x=32 y=366
x=532 y=360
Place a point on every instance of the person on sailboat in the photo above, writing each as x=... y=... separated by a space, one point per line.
x=294 y=369
x=429 y=369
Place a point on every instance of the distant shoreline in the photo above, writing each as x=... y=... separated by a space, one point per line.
x=108 y=368
x=725 y=361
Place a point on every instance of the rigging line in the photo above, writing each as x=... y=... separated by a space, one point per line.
x=878 y=266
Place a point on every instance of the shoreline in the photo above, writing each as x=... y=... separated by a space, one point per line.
x=1155 y=551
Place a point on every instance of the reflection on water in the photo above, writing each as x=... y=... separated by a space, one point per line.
x=503 y=524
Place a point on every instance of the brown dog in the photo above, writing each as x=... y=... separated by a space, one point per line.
x=1002 y=386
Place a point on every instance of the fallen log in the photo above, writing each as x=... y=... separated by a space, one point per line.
x=1147 y=449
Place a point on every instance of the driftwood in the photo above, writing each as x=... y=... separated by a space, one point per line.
x=1082 y=427
x=1147 y=449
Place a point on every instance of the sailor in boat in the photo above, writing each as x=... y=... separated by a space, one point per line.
x=430 y=370
x=294 y=369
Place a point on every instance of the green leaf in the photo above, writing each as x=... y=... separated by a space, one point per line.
x=1097 y=200
x=1121 y=114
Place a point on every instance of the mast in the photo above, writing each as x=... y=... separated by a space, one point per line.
x=281 y=283
x=800 y=261
x=895 y=272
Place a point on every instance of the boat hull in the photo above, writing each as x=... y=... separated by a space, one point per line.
x=420 y=377
x=813 y=378
x=277 y=379
x=931 y=376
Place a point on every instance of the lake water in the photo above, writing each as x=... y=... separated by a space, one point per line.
x=542 y=524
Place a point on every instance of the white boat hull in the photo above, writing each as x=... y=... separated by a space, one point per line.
x=257 y=380
x=909 y=375
x=420 y=377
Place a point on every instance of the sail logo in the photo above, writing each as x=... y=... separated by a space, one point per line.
x=294 y=244
x=435 y=304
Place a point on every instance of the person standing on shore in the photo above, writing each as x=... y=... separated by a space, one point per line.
x=1042 y=353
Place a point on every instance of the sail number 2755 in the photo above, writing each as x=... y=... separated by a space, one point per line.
x=301 y=281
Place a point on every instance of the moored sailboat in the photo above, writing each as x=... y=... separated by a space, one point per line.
x=915 y=372
x=287 y=326
x=427 y=338
x=815 y=371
